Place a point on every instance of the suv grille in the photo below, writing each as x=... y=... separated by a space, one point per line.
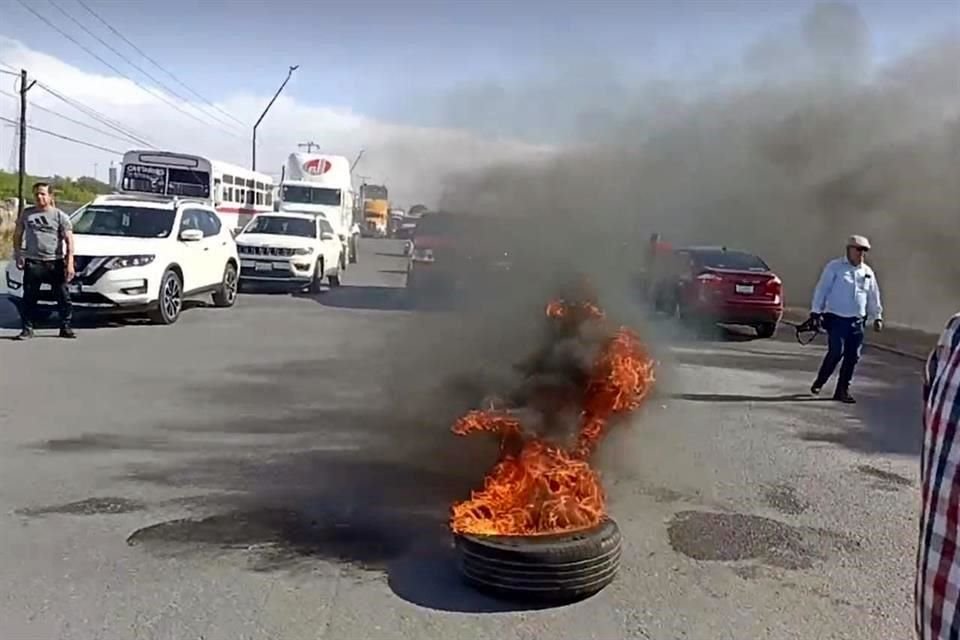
x=265 y=251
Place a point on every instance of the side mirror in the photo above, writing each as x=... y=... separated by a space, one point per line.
x=327 y=236
x=191 y=235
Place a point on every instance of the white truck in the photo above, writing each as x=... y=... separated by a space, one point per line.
x=321 y=185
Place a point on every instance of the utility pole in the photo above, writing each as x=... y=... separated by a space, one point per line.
x=22 y=169
x=262 y=115
x=308 y=145
x=357 y=161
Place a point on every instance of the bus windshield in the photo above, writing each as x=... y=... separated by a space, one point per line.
x=311 y=195
x=169 y=181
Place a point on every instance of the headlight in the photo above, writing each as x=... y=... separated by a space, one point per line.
x=303 y=251
x=122 y=262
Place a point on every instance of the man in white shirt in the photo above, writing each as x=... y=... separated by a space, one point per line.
x=846 y=297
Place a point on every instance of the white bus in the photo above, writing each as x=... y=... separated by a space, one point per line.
x=238 y=194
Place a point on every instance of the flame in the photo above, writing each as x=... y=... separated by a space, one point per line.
x=539 y=488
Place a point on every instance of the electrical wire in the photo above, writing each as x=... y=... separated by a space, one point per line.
x=157 y=95
x=63 y=137
x=69 y=119
x=120 y=55
x=155 y=63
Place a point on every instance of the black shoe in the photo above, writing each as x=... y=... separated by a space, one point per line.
x=815 y=389
x=844 y=397
x=25 y=334
x=67 y=332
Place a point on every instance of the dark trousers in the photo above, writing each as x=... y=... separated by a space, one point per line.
x=53 y=273
x=845 y=342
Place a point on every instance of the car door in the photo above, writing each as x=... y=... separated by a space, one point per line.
x=194 y=256
x=329 y=245
x=221 y=243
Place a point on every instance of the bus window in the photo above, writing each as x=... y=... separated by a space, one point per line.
x=268 y=199
x=250 y=198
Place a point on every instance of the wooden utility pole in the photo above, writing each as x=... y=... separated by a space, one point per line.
x=309 y=145
x=22 y=169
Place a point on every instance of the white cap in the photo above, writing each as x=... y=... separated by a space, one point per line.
x=859 y=242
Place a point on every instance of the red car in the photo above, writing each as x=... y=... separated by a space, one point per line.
x=711 y=285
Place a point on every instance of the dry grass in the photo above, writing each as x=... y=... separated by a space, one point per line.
x=6 y=243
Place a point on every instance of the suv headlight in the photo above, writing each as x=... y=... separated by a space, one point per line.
x=303 y=251
x=122 y=262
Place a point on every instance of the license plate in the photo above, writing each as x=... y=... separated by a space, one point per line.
x=744 y=288
x=264 y=266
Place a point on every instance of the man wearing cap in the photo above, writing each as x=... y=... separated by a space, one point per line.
x=846 y=297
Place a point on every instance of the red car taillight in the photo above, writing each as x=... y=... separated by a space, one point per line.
x=709 y=280
x=774 y=287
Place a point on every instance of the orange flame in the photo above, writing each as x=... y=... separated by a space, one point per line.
x=539 y=488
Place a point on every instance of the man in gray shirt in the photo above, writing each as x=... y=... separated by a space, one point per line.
x=43 y=241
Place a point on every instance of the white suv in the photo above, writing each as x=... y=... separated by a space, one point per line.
x=297 y=249
x=140 y=254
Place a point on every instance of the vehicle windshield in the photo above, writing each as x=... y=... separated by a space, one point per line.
x=125 y=221
x=311 y=195
x=374 y=192
x=283 y=226
x=169 y=181
x=730 y=260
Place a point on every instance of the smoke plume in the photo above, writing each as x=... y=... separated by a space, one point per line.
x=807 y=145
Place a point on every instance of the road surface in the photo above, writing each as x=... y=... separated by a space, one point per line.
x=243 y=474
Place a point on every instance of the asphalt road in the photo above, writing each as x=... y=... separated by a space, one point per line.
x=243 y=475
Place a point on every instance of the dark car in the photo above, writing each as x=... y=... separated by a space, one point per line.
x=451 y=252
x=714 y=285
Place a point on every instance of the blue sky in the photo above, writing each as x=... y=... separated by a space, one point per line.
x=402 y=60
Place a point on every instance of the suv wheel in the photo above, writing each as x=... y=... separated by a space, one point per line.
x=317 y=281
x=353 y=250
x=334 y=280
x=170 y=301
x=226 y=295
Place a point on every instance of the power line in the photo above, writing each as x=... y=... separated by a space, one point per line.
x=69 y=119
x=96 y=115
x=113 y=68
x=133 y=64
x=154 y=62
x=89 y=111
x=63 y=137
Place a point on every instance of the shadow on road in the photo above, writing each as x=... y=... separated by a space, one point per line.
x=372 y=298
x=886 y=419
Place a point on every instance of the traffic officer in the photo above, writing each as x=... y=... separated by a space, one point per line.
x=846 y=297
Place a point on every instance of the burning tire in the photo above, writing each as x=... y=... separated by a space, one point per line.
x=546 y=568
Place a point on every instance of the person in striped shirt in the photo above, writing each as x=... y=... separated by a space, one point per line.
x=938 y=563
